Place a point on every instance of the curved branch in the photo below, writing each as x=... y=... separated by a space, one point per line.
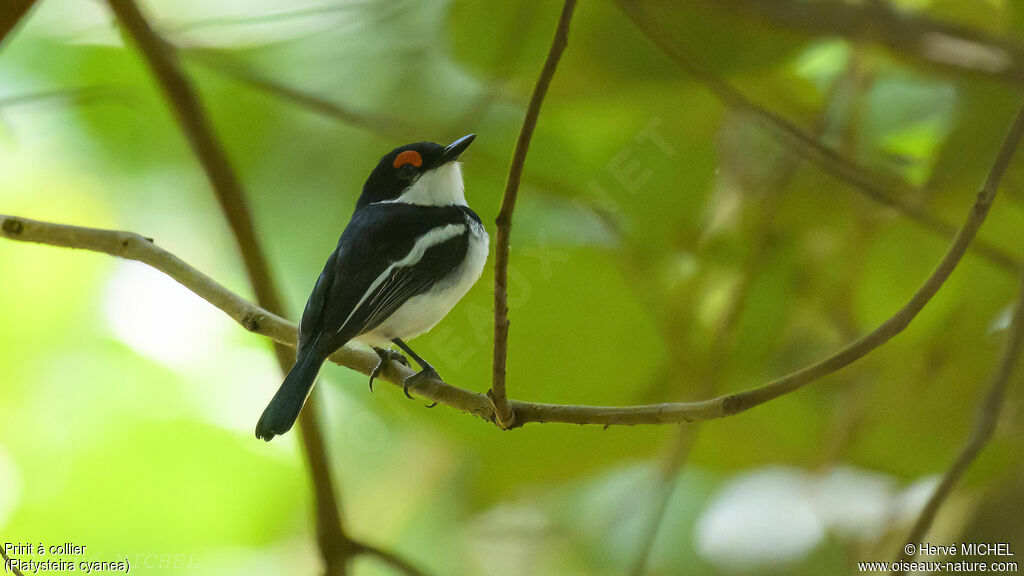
x=984 y=426
x=222 y=63
x=132 y=246
x=253 y=318
x=388 y=558
x=505 y=416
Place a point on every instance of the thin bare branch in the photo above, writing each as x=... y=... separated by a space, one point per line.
x=8 y=565
x=390 y=559
x=343 y=9
x=193 y=120
x=11 y=14
x=335 y=547
x=886 y=190
x=667 y=480
x=984 y=426
x=505 y=417
x=223 y=63
x=82 y=95
x=253 y=318
x=131 y=246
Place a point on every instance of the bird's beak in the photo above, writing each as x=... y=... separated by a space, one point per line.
x=451 y=152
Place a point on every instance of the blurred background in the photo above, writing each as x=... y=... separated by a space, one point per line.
x=668 y=245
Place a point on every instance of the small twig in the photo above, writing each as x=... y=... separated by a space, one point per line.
x=668 y=479
x=184 y=101
x=504 y=415
x=328 y=9
x=224 y=64
x=984 y=426
x=82 y=95
x=385 y=126
x=7 y=563
x=873 y=185
x=389 y=558
x=192 y=118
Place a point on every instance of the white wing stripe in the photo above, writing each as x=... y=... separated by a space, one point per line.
x=432 y=238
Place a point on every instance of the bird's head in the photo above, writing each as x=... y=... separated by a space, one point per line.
x=420 y=173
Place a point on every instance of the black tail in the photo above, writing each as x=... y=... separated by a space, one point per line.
x=284 y=408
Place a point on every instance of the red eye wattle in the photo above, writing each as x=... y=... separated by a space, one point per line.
x=408 y=157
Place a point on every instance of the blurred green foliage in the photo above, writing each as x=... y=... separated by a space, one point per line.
x=131 y=431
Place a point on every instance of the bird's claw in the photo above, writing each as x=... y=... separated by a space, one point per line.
x=385 y=355
x=414 y=380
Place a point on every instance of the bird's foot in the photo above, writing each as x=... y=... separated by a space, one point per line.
x=427 y=373
x=386 y=355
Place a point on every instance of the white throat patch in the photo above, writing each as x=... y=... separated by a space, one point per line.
x=439 y=187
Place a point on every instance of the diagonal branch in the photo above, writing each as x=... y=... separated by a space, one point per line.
x=8 y=565
x=984 y=427
x=11 y=15
x=899 y=321
x=222 y=63
x=875 y=186
x=335 y=546
x=79 y=95
x=722 y=344
x=192 y=118
x=504 y=416
x=255 y=319
x=389 y=559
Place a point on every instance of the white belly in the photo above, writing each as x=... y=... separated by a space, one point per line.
x=423 y=311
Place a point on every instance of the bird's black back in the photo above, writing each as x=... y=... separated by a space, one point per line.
x=377 y=236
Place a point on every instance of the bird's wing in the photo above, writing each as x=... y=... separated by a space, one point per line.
x=387 y=254
x=309 y=325
x=437 y=254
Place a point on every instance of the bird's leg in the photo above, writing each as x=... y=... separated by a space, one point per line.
x=426 y=370
x=385 y=355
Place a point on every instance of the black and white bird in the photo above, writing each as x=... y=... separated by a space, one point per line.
x=411 y=251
